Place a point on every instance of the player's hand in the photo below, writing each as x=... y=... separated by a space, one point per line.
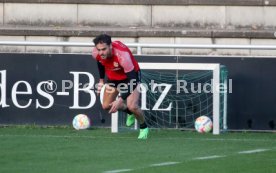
x=99 y=86
x=115 y=105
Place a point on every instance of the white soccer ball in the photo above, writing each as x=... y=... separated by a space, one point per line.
x=81 y=122
x=203 y=124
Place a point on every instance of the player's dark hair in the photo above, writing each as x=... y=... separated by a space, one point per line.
x=103 y=38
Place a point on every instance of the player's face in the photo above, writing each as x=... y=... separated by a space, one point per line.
x=104 y=50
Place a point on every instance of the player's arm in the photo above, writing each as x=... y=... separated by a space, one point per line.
x=101 y=70
x=126 y=62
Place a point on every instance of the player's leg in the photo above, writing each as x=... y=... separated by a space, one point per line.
x=110 y=94
x=133 y=106
x=130 y=120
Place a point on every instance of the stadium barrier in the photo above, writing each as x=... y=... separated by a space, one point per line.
x=140 y=46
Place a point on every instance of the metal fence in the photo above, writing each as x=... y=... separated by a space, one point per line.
x=140 y=46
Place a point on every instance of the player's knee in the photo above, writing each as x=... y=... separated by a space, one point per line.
x=133 y=107
x=105 y=106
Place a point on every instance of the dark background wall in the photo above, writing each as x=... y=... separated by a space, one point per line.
x=250 y=106
x=35 y=68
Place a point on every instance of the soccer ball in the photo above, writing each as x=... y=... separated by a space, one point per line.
x=81 y=121
x=203 y=124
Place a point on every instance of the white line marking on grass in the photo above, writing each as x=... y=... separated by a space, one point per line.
x=67 y=136
x=232 y=139
x=47 y=136
x=118 y=170
x=124 y=137
x=164 y=164
x=253 y=151
x=208 y=157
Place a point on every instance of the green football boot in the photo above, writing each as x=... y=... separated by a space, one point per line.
x=130 y=120
x=144 y=133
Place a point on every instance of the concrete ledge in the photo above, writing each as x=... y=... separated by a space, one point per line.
x=91 y=15
x=155 y=2
x=136 y=32
x=153 y=51
x=111 y=15
x=40 y=14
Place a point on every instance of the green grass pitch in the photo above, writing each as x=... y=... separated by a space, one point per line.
x=65 y=150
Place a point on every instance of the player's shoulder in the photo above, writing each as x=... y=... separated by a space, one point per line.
x=119 y=45
x=94 y=53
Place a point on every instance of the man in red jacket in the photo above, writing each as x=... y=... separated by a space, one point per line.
x=116 y=61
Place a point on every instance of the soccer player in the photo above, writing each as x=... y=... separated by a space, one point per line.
x=116 y=61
